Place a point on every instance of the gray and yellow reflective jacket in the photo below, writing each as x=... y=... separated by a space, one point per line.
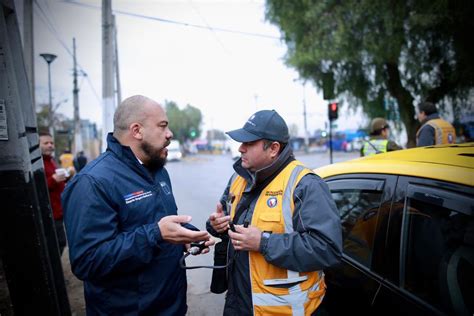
x=315 y=243
x=378 y=145
x=435 y=131
x=111 y=211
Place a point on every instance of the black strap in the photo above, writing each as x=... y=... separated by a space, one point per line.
x=376 y=149
x=243 y=205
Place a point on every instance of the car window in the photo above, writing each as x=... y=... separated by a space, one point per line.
x=358 y=202
x=439 y=249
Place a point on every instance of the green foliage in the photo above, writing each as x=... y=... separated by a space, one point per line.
x=408 y=50
x=183 y=123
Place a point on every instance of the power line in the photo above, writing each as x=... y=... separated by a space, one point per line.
x=207 y=24
x=153 y=18
x=57 y=36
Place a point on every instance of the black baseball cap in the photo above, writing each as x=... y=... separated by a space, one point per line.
x=265 y=124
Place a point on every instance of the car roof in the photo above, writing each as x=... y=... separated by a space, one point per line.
x=452 y=163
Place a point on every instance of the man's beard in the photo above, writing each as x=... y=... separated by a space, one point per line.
x=155 y=161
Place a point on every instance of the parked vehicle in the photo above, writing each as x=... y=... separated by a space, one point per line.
x=408 y=233
x=174 y=151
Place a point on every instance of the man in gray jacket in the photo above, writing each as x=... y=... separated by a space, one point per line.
x=282 y=222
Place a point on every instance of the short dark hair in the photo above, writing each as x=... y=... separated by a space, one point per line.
x=427 y=107
x=267 y=143
x=43 y=133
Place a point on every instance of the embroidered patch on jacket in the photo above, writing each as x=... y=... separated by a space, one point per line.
x=165 y=188
x=272 y=201
x=136 y=196
x=274 y=193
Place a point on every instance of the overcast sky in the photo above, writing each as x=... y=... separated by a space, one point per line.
x=227 y=75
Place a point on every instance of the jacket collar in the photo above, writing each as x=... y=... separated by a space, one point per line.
x=125 y=154
x=430 y=117
x=259 y=176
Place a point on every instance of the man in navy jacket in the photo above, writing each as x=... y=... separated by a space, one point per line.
x=125 y=237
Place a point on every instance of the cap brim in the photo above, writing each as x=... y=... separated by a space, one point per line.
x=242 y=136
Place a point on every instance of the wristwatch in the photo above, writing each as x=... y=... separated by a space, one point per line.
x=264 y=241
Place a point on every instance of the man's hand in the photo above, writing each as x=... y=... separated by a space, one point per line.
x=218 y=221
x=208 y=243
x=173 y=232
x=59 y=177
x=246 y=238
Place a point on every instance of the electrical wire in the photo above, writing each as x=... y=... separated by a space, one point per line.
x=50 y=25
x=154 y=18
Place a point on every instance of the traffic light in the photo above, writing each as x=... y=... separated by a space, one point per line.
x=192 y=133
x=333 y=107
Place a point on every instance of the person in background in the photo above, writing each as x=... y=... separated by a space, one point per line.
x=433 y=130
x=378 y=142
x=55 y=179
x=285 y=226
x=125 y=237
x=80 y=161
x=66 y=159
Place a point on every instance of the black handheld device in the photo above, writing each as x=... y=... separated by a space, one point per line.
x=197 y=247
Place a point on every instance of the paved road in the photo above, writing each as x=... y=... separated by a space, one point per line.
x=198 y=182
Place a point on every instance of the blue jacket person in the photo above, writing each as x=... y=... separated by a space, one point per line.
x=125 y=237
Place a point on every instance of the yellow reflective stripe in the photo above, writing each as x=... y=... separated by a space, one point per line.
x=317 y=285
x=297 y=298
x=288 y=214
x=438 y=132
x=286 y=203
x=293 y=274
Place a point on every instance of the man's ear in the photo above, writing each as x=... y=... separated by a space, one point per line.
x=136 y=130
x=275 y=148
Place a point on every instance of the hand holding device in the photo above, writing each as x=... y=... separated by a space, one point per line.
x=173 y=232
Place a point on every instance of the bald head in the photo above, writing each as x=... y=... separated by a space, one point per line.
x=142 y=124
x=132 y=110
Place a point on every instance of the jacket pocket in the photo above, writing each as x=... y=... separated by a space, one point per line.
x=270 y=221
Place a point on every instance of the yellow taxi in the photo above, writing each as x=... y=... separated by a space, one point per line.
x=408 y=233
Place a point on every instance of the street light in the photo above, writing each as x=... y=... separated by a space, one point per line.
x=306 y=134
x=49 y=58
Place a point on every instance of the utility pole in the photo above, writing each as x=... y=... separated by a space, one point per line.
x=116 y=63
x=108 y=104
x=28 y=243
x=77 y=118
x=306 y=140
x=28 y=46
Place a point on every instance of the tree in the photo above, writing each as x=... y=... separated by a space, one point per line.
x=183 y=123
x=373 y=50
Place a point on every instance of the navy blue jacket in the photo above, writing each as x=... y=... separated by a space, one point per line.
x=111 y=211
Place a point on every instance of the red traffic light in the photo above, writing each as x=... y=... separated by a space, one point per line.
x=332 y=111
